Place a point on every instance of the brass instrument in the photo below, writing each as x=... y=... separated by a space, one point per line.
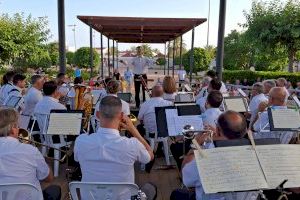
x=24 y=137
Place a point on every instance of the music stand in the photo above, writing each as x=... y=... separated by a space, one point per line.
x=161 y=121
x=65 y=122
x=184 y=97
x=244 y=142
x=284 y=119
x=238 y=104
x=188 y=110
x=126 y=96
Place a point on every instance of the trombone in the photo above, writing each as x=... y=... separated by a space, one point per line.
x=24 y=137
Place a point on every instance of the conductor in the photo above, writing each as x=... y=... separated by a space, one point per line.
x=140 y=69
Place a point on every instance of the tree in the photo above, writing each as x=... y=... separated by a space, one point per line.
x=275 y=24
x=201 y=60
x=177 y=47
x=21 y=38
x=53 y=52
x=82 y=57
x=70 y=57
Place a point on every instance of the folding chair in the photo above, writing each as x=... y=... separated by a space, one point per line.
x=17 y=190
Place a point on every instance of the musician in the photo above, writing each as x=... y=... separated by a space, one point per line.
x=22 y=163
x=34 y=94
x=212 y=74
x=203 y=91
x=147 y=110
x=50 y=101
x=231 y=125
x=214 y=84
x=268 y=85
x=169 y=86
x=116 y=74
x=7 y=85
x=140 y=68
x=128 y=76
x=257 y=98
x=105 y=156
x=63 y=88
x=277 y=100
x=282 y=82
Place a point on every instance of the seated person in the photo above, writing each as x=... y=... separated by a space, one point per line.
x=209 y=118
x=7 y=85
x=169 y=86
x=212 y=74
x=147 y=110
x=231 y=125
x=105 y=156
x=204 y=86
x=214 y=84
x=22 y=163
x=277 y=100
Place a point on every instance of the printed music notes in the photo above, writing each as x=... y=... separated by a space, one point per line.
x=284 y=119
x=243 y=168
x=236 y=104
x=65 y=123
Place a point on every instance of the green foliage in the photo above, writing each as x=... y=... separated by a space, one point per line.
x=53 y=52
x=232 y=75
x=70 y=57
x=177 y=47
x=41 y=59
x=146 y=49
x=21 y=38
x=272 y=24
x=82 y=57
x=161 y=61
x=202 y=59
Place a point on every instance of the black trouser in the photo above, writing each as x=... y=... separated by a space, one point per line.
x=137 y=88
x=182 y=194
x=52 y=192
x=177 y=151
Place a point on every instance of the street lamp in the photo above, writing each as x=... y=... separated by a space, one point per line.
x=208 y=21
x=74 y=30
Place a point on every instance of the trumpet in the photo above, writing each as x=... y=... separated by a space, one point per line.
x=24 y=137
x=189 y=132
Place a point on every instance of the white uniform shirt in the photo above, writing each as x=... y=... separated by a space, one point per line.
x=147 y=112
x=262 y=121
x=125 y=105
x=15 y=92
x=223 y=88
x=21 y=163
x=32 y=97
x=140 y=65
x=190 y=177
x=210 y=116
x=169 y=97
x=203 y=92
x=254 y=104
x=201 y=102
x=181 y=74
x=47 y=104
x=4 y=90
x=105 y=156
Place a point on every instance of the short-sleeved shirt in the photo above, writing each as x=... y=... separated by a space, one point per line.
x=47 y=104
x=21 y=163
x=147 y=112
x=32 y=97
x=210 y=116
x=254 y=104
x=105 y=156
x=181 y=74
x=4 y=90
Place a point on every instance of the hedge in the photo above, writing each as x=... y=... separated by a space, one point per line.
x=251 y=76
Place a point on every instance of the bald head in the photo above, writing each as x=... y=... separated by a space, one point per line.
x=157 y=91
x=277 y=96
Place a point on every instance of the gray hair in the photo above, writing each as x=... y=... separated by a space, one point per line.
x=271 y=83
x=8 y=119
x=110 y=107
x=35 y=78
x=259 y=87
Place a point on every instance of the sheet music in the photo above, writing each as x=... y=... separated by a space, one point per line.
x=286 y=118
x=194 y=120
x=235 y=104
x=242 y=92
x=64 y=123
x=170 y=115
x=280 y=162
x=187 y=87
x=230 y=169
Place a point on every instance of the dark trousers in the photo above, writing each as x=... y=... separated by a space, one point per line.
x=177 y=151
x=137 y=88
x=183 y=194
x=52 y=192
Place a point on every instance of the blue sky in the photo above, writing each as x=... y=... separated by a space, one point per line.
x=134 y=8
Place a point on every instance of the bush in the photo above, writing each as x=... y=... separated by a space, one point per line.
x=70 y=57
x=82 y=57
x=201 y=59
x=251 y=76
x=161 y=61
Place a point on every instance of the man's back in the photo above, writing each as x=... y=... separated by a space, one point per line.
x=32 y=97
x=47 y=104
x=4 y=90
x=105 y=156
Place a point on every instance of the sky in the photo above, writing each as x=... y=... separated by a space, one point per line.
x=131 y=8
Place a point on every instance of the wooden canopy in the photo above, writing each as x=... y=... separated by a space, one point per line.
x=141 y=30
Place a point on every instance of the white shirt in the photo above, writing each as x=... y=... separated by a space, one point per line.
x=125 y=106
x=254 y=104
x=223 y=88
x=4 y=90
x=47 y=104
x=105 y=156
x=169 y=97
x=147 y=112
x=203 y=92
x=21 y=163
x=190 y=177
x=15 y=92
x=263 y=120
x=201 y=102
x=140 y=65
x=181 y=74
x=32 y=97
x=210 y=116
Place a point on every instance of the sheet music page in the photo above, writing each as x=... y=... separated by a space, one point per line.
x=242 y=92
x=280 y=162
x=64 y=123
x=194 y=120
x=236 y=104
x=286 y=118
x=230 y=169
x=170 y=115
